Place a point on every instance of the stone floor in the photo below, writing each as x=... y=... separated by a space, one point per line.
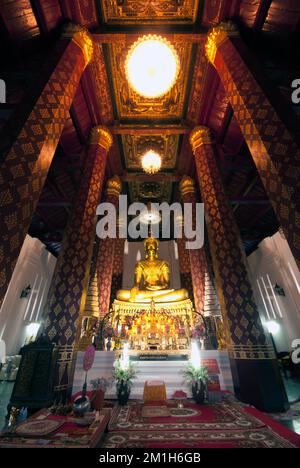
x=292 y=387
x=5 y=393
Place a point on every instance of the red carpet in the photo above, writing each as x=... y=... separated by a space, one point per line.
x=220 y=425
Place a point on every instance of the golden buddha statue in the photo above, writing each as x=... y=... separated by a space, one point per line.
x=153 y=275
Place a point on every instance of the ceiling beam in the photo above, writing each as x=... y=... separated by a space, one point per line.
x=151 y=178
x=129 y=38
x=153 y=130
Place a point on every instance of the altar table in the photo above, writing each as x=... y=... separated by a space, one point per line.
x=155 y=391
x=69 y=434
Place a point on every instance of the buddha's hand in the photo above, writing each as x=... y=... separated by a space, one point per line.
x=133 y=293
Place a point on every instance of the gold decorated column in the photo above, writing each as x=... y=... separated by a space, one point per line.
x=274 y=150
x=254 y=366
x=197 y=256
x=100 y=283
x=37 y=132
x=68 y=288
x=106 y=253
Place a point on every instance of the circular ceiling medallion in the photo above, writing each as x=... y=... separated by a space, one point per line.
x=152 y=66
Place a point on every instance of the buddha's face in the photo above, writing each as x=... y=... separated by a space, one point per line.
x=151 y=251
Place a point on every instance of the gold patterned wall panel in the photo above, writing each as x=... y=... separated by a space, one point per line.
x=136 y=145
x=131 y=105
x=151 y=11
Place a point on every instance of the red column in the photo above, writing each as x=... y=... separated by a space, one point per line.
x=254 y=366
x=68 y=289
x=274 y=151
x=197 y=256
x=67 y=292
x=106 y=253
x=100 y=284
x=24 y=168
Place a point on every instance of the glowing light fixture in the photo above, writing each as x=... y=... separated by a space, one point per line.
x=150 y=217
x=195 y=355
x=152 y=66
x=273 y=327
x=124 y=361
x=151 y=162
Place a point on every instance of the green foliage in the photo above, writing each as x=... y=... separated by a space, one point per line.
x=196 y=374
x=124 y=376
x=100 y=384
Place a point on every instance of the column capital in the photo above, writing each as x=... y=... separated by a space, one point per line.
x=186 y=185
x=217 y=36
x=200 y=136
x=82 y=38
x=114 y=186
x=101 y=136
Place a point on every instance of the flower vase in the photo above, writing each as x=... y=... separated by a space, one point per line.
x=198 y=391
x=97 y=399
x=123 y=393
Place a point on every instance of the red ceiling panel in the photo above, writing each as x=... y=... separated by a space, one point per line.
x=283 y=16
x=249 y=10
x=19 y=19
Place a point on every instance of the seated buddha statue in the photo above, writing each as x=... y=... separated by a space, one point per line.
x=152 y=279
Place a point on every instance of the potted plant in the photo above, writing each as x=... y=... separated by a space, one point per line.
x=197 y=378
x=99 y=387
x=124 y=376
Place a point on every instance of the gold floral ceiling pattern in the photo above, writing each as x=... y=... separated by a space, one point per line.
x=150 y=191
x=131 y=105
x=136 y=145
x=151 y=11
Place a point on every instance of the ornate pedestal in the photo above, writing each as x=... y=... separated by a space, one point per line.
x=156 y=327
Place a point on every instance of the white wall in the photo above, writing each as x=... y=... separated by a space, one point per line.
x=134 y=251
x=35 y=268
x=273 y=263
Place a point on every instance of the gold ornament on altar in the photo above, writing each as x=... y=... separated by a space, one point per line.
x=154 y=276
x=150 y=316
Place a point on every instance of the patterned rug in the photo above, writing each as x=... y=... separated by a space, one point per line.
x=222 y=415
x=224 y=424
x=259 y=438
x=155 y=411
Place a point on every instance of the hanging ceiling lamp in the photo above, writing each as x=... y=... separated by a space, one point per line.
x=152 y=66
x=151 y=162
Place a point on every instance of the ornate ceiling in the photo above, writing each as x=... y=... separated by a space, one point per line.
x=154 y=11
x=131 y=105
x=104 y=97
x=139 y=113
x=136 y=145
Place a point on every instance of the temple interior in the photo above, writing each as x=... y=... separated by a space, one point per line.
x=149 y=248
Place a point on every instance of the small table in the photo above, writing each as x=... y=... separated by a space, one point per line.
x=155 y=391
x=69 y=434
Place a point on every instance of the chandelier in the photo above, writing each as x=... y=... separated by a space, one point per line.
x=151 y=162
x=151 y=216
x=152 y=66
